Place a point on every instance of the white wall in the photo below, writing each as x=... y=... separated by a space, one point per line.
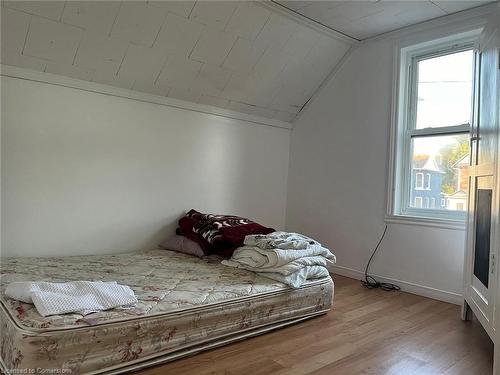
x=338 y=182
x=87 y=173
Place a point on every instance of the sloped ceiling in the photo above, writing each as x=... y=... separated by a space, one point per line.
x=250 y=57
x=365 y=19
x=241 y=55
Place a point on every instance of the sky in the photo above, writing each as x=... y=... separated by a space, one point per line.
x=444 y=96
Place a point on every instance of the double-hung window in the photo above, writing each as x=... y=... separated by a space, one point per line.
x=432 y=127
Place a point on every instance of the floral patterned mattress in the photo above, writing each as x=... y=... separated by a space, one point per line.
x=183 y=302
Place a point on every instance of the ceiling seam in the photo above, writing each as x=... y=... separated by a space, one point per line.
x=78 y=48
x=454 y=17
x=27 y=34
x=191 y=11
x=34 y=14
x=330 y=77
x=437 y=5
x=230 y=17
x=263 y=26
x=159 y=29
x=188 y=56
x=123 y=59
x=316 y=22
x=116 y=17
x=62 y=12
x=228 y=53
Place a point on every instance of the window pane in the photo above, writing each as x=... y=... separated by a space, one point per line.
x=418 y=202
x=445 y=90
x=442 y=160
x=419 y=180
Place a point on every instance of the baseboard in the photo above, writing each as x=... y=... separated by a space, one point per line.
x=421 y=290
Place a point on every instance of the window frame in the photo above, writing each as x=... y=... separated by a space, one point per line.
x=404 y=129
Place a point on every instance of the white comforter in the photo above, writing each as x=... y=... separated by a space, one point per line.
x=290 y=258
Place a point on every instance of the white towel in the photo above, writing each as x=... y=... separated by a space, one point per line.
x=82 y=297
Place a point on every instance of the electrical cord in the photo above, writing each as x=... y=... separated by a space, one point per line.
x=370 y=282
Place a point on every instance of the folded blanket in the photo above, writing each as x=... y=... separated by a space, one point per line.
x=290 y=258
x=218 y=234
x=82 y=297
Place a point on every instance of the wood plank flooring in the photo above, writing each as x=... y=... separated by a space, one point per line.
x=368 y=332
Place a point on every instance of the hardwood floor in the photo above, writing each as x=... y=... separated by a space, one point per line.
x=367 y=332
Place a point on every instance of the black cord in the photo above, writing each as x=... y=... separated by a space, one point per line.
x=369 y=282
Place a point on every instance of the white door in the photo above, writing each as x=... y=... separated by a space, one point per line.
x=481 y=258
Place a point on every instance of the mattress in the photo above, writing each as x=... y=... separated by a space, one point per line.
x=185 y=305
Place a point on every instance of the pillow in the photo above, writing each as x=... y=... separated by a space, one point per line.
x=183 y=245
x=218 y=234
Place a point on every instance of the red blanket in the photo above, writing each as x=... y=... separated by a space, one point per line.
x=218 y=234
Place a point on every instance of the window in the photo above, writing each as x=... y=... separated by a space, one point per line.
x=419 y=181
x=418 y=202
x=432 y=129
x=428 y=181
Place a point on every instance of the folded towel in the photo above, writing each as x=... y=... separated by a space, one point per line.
x=82 y=297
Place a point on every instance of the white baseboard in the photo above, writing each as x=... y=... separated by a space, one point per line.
x=421 y=290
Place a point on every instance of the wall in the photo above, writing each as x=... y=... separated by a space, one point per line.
x=338 y=182
x=87 y=173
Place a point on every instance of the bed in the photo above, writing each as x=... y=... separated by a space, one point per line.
x=186 y=305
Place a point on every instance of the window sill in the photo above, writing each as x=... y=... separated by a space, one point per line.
x=426 y=222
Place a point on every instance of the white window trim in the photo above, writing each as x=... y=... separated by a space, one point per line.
x=402 y=57
x=427 y=181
